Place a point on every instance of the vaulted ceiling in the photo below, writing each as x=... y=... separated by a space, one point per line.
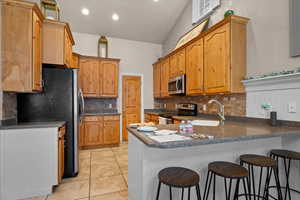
x=141 y=20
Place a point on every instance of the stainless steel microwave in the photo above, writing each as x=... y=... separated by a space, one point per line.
x=177 y=85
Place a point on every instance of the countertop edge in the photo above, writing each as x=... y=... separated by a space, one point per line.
x=34 y=125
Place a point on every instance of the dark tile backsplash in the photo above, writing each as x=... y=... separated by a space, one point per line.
x=93 y=105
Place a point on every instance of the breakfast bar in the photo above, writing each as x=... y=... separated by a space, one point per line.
x=146 y=157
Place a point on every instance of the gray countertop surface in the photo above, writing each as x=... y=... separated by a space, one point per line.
x=101 y=114
x=232 y=131
x=31 y=125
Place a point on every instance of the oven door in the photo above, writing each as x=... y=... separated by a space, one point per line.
x=177 y=85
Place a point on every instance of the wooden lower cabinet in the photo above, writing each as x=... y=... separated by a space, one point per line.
x=98 y=131
x=151 y=118
x=61 y=153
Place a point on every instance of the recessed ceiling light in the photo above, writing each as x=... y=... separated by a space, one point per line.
x=156 y=0
x=85 y=11
x=115 y=17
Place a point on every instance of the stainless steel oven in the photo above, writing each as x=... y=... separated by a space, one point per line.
x=177 y=85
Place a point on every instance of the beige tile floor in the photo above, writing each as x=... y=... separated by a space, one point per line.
x=102 y=176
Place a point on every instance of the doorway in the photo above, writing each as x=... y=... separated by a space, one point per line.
x=131 y=102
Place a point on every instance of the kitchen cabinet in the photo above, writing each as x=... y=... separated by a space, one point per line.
x=164 y=81
x=195 y=68
x=61 y=153
x=100 y=131
x=177 y=63
x=151 y=118
x=225 y=56
x=109 y=77
x=75 y=61
x=57 y=43
x=81 y=134
x=93 y=131
x=89 y=74
x=157 y=80
x=21 y=46
x=99 y=77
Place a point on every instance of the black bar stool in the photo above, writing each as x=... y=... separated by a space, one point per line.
x=227 y=171
x=179 y=177
x=270 y=166
x=287 y=157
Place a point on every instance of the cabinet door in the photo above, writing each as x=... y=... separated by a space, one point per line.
x=93 y=133
x=180 y=62
x=109 y=77
x=37 y=53
x=156 y=80
x=111 y=132
x=194 y=68
x=165 y=77
x=67 y=50
x=89 y=77
x=173 y=66
x=61 y=153
x=217 y=60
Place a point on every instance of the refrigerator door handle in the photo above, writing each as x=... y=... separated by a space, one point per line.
x=82 y=101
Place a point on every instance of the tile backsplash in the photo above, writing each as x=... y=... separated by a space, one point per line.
x=100 y=105
x=235 y=104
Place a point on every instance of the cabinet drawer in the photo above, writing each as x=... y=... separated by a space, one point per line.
x=112 y=118
x=93 y=118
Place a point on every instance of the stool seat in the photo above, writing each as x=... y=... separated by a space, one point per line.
x=228 y=170
x=178 y=177
x=286 y=154
x=258 y=160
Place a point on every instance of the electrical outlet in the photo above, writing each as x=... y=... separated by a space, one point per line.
x=292 y=107
x=204 y=107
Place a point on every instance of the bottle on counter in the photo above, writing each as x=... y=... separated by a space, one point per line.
x=189 y=127
x=182 y=127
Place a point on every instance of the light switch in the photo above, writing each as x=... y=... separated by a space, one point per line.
x=292 y=107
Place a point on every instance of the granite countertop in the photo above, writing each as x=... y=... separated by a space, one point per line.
x=233 y=130
x=31 y=125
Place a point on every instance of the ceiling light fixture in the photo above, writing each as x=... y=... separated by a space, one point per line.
x=156 y=0
x=85 y=11
x=115 y=17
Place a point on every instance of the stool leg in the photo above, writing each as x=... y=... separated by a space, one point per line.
x=189 y=193
x=226 y=192
x=253 y=183
x=182 y=194
x=236 y=192
x=207 y=185
x=214 y=189
x=158 y=190
x=245 y=188
x=260 y=180
x=276 y=174
x=287 y=173
x=170 y=188
x=198 y=192
x=267 y=184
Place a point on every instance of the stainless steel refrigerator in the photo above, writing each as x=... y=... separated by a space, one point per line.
x=61 y=100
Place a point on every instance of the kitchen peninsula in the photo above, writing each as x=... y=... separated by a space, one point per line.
x=238 y=136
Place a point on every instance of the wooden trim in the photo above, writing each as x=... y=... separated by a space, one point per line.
x=99 y=58
x=228 y=19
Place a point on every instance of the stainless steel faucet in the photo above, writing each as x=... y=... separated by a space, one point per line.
x=221 y=113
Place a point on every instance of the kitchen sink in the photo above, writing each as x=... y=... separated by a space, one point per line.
x=205 y=123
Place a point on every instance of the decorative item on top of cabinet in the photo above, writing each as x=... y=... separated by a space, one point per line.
x=103 y=47
x=57 y=43
x=61 y=153
x=21 y=46
x=195 y=68
x=157 y=79
x=50 y=9
x=225 y=56
x=99 y=77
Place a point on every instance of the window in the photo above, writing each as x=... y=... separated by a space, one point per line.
x=202 y=8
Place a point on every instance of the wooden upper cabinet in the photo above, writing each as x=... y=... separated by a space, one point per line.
x=164 y=73
x=109 y=78
x=195 y=68
x=177 y=64
x=98 y=77
x=75 y=61
x=225 y=56
x=89 y=77
x=57 y=43
x=21 y=46
x=217 y=60
x=157 y=80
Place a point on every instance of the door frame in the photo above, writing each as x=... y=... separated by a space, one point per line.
x=120 y=99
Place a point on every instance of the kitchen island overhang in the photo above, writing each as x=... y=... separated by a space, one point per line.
x=147 y=157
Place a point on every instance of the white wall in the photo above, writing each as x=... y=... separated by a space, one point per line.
x=136 y=58
x=268 y=33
